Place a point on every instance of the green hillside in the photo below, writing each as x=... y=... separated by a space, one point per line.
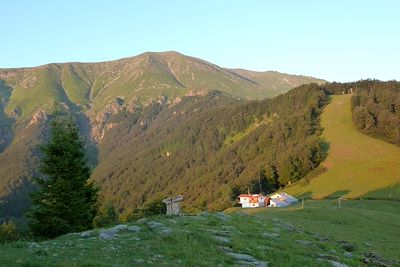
x=321 y=234
x=155 y=126
x=107 y=99
x=91 y=86
x=210 y=146
x=357 y=165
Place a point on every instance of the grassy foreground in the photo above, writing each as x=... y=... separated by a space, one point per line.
x=314 y=236
x=357 y=165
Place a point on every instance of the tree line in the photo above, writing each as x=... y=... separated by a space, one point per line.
x=375 y=108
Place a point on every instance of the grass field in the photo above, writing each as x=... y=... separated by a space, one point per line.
x=357 y=165
x=356 y=232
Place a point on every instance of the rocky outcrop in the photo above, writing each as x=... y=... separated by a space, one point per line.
x=29 y=81
x=99 y=122
x=156 y=100
x=197 y=93
x=39 y=117
x=5 y=75
x=174 y=101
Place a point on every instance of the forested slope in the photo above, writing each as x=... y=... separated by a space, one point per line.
x=129 y=91
x=211 y=148
x=376 y=110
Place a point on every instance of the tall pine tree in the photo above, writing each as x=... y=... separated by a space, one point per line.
x=66 y=200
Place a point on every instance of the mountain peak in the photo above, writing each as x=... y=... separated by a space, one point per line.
x=90 y=86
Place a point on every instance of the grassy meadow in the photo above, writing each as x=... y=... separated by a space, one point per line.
x=315 y=235
x=357 y=165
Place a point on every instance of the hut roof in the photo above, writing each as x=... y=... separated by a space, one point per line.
x=173 y=199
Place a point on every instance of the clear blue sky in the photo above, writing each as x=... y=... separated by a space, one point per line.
x=338 y=40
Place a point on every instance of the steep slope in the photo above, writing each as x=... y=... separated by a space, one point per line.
x=113 y=98
x=210 y=148
x=357 y=165
x=91 y=88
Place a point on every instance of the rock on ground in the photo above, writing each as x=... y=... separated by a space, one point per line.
x=348 y=254
x=118 y=228
x=86 y=234
x=111 y=233
x=246 y=259
x=107 y=235
x=334 y=263
x=133 y=228
x=154 y=224
x=222 y=216
x=219 y=232
x=221 y=239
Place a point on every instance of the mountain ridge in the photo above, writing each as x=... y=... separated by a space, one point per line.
x=89 y=87
x=118 y=97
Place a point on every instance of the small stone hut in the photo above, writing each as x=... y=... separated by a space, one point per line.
x=173 y=205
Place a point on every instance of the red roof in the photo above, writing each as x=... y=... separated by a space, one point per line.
x=250 y=195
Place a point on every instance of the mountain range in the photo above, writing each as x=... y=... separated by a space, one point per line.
x=118 y=102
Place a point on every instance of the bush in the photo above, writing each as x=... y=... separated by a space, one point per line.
x=8 y=232
x=129 y=215
x=106 y=216
x=155 y=207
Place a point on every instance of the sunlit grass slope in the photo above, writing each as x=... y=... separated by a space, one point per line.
x=357 y=165
x=358 y=222
x=292 y=236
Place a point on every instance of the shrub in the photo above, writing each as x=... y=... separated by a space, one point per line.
x=106 y=216
x=8 y=232
x=155 y=207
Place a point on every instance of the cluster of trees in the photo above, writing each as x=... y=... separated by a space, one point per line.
x=375 y=107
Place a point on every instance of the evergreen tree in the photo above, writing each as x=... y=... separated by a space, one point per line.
x=66 y=200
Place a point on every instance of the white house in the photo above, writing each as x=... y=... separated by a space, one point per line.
x=252 y=201
x=281 y=199
x=274 y=202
